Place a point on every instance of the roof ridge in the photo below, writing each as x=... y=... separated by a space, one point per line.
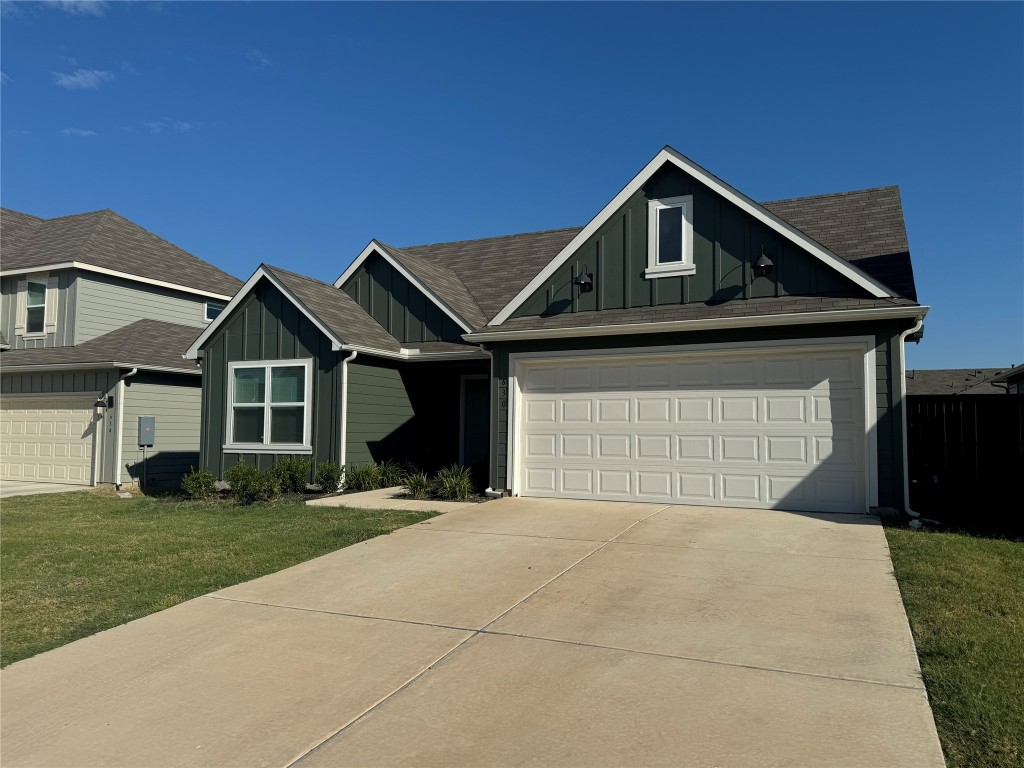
x=272 y=268
x=496 y=237
x=832 y=194
x=417 y=258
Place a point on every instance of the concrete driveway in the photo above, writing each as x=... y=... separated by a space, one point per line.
x=9 y=488
x=510 y=633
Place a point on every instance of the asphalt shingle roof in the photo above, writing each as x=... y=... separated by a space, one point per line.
x=954 y=381
x=108 y=240
x=143 y=344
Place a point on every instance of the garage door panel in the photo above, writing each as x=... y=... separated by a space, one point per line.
x=47 y=439
x=758 y=429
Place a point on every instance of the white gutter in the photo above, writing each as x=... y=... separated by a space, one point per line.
x=489 y=491
x=414 y=355
x=903 y=402
x=119 y=394
x=344 y=410
x=113 y=273
x=711 y=323
x=99 y=366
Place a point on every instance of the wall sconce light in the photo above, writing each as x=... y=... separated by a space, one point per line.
x=585 y=282
x=763 y=266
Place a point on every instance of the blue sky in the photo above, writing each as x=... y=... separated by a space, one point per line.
x=293 y=133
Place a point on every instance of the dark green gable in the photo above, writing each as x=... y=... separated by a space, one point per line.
x=266 y=326
x=405 y=311
x=726 y=243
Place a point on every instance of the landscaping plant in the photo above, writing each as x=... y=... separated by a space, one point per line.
x=328 y=476
x=292 y=474
x=250 y=484
x=391 y=473
x=453 y=483
x=417 y=485
x=362 y=477
x=199 y=484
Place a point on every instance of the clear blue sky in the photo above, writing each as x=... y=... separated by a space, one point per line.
x=294 y=133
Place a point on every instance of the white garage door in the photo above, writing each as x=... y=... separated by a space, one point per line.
x=47 y=439
x=779 y=429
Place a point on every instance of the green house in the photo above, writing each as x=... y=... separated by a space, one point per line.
x=688 y=345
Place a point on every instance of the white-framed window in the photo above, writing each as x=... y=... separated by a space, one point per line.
x=212 y=308
x=35 y=307
x=670 y=237
x=270 y=406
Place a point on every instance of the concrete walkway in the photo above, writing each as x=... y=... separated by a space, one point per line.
x=9 y=488
x=389 y=498
x=509 y=633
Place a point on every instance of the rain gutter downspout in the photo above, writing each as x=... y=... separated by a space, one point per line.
x=344 y=410
x=490 y=414
x=903 y=403
x=119 y=435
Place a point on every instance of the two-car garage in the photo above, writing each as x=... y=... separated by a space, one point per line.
x=785 y=427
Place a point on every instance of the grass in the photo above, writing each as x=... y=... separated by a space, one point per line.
x=73 y=564
x=965 y=598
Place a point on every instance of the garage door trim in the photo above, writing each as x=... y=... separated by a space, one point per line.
x=864 y=345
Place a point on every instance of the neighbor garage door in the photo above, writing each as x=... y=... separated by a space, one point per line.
x=778 y=429
x=47 y=439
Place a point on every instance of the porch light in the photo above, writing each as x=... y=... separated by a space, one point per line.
x=763 y=266
x=585 y=282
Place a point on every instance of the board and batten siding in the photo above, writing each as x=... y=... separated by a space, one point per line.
x=266 y=326
x=175 y=401
x=101 y=383
x=398 y=305
x=887 y=392
x=380 y=413
x=726 y=243
x=106 y=303
x=64 y=316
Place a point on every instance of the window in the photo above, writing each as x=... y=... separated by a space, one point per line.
x=670 y=237
x=213 y=308
x=35 y=308
x=269 y=406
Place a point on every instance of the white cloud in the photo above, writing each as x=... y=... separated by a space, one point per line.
x=128 y=68
x=258 y=60
x=82 y=79
x=169 y=125
x=4 y=79
x=79 y=132
x=81 y=7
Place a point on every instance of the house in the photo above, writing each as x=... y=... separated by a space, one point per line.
x=956 y=381
x=95 y=314
x=1012 y=380
x=688 y=345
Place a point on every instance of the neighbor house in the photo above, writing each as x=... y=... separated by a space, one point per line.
x=1012 y=380
x=956 y=381
x=95 y=315
x=688 y=345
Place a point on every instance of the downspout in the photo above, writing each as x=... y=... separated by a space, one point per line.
x=344 y=410
x=118 y=436
x=490 y=424
x=903 y=402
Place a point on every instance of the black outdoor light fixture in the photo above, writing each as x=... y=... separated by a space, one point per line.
x=585 y=281
x=763 y=265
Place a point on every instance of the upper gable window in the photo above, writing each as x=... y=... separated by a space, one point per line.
x=213 y=308
x=670 y=237
x=35 y=307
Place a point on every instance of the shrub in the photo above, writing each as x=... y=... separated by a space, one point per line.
x=199 y=483
x=391 y=473
x=328 y=476
x=250 y=484
x=417 y=485
x=453 y=483
x=292 y=474
x=364 y=477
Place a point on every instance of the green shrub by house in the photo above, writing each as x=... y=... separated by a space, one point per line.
x=328 y=476
x=362 y=477
x=250 y=484
x=293 y=474
x=199 y=484
x=453 y=483
x=417 y=485
x=391 y=473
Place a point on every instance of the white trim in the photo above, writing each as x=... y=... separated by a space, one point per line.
x=206 y=309
x=343 y=448
x=669 y=155
x=193 y=351
x=655 y=268
x=49 y=301
x=462 y=414
x=119 y=389
x=415 y=355
x=376 y=247
x=99 y=366
x=115 y=273
x=906 y=416
x=863 y=344
x=94 y=394
x=267 y=405
x=705 y=324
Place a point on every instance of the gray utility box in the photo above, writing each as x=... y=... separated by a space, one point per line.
x=147 y=431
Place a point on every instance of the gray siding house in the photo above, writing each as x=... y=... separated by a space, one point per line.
x=95 y=314
x=688 y=345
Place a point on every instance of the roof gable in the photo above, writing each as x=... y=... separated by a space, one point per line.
x=669 y=156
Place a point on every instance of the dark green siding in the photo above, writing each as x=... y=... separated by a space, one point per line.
x=380 y=413
x=268 y=327
x=887 y=386
x=398 y=305
x=726 y=242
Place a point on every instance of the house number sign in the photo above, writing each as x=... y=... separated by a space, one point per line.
x=502 y=393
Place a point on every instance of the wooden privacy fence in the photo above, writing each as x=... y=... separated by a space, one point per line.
x=966 y=458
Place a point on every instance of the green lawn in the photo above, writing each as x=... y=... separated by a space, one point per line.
x=73 y=564
x=965 y=599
